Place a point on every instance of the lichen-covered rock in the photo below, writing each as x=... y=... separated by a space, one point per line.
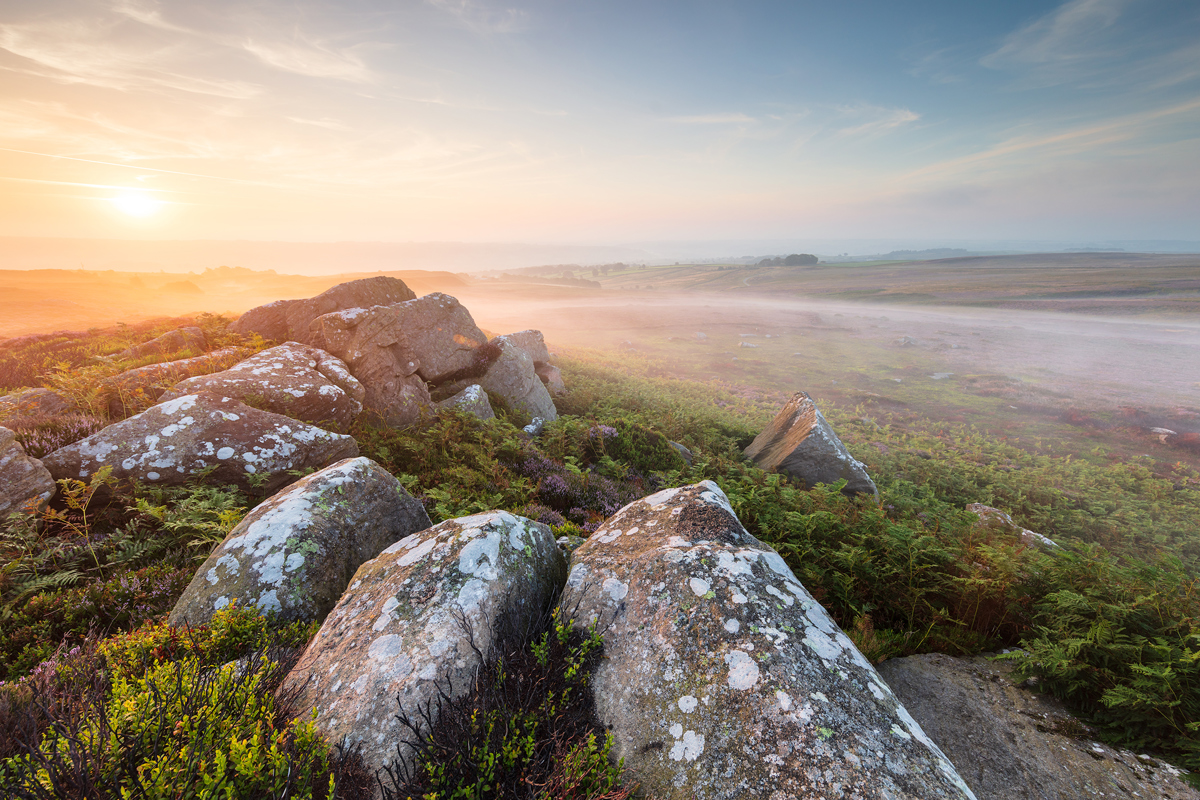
x=801 y=444
x=1011 y=744
x=294 y=554
x=190 y=338
x=173 y=441
x=293 y=379
x=371 y=342
x=723 y=678
x=413 y=623
x=286 y=320
x=135 y=389
x=512 y=380
x=996 y=519
x=472 y=400
x=23 y=480
x=439 y=333
x=34 y=403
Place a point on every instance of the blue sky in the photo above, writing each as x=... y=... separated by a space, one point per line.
x=601 y=122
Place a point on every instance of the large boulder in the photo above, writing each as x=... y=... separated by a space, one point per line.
x=440 y=334
x=23 y=480
x=35 y=403
x=293 y=379
x=532 y=342
x=801 y=444
x=173 y=441
x=414 y=623
x=286 y=320
x=1011 y=744
x=723 y=678
x=371 y=342
x=294 y=554
x=136 y=389
x=190 y=338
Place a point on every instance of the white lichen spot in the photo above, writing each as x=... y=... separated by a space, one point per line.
x=269 y=601
x=786 y=598
x=687 y=704
x=822 y=645
x=738 y=597
x=615 y=589
x=225 y=453
x=385 y=647
x=784 y=700
x=875 y=690
x=699 y=586
x=689 y=747
x=220 y=603
x=898 y=731
x=153 y=476
x=819 y=696
x=743 y=672
x=471 y=559
x=385 y=613
x=732 y=625
x=415 y=553
x=677 y=730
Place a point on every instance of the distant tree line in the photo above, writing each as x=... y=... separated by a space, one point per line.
x=794 y=260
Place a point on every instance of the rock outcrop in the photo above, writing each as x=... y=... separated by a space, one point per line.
x=472 y=400
x=138 y=388
x=172 y=441
x=723 y=678
x=293 y=379
x=190 y=338
x=24 y=481
x=413 y=623
x=439 y=333
x=995 y=518
x=534 y=345
x=1009 y=743
x=801 y=444
x=511 y=379
x=294 y=554
x=34 y=403
x=286 y=320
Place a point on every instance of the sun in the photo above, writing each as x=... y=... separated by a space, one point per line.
x=137 y=205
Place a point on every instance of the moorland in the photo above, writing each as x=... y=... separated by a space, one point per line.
x=987 y=382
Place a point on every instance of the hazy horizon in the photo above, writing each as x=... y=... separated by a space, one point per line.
x=601 y=124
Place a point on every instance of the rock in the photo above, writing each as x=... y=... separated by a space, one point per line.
x=746 y=344
x=1010 y=743
x=551 y=376
x=439 y=333
x=136 y=389
x=531 y=342
x=535 y=427
x=293 y=379
x=295 y=554
x=471 y=400
x=286 y=320
x=190 y=338
x=995 y=518
x=35 y=403
x=23 y=480
x=370 y=341
x=173 y=441
x=684 y=453
x=700 y=337
x=801 y=444
x=511 y=379
x=721 y=677
x=414 y=622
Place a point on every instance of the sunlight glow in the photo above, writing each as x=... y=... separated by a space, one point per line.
x=137 y=205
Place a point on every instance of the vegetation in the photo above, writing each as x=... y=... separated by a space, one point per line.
x=1108 y=623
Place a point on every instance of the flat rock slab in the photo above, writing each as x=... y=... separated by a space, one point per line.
x=413 y=622
x=294 y=554
x=800 y=443
x=293 y=379
x=292 y=320
x=23 y=479
x=190 y=338
x=723 y=678
x=1009 y=744
x=35 y=403
x=173 y=441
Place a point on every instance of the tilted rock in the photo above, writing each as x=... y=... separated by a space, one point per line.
x=1011 y=744
x=34 y=402
x=801 y=444
x=995 y=518
x=371 y=343
x=172 y=441
x=414 y=621
x=473 y=400
x=136 y=389
x=439 y=333
x=295 y=554
x=190 y=338
x=286 y=320
x=293 y=379
x=510 y=379
x=531 y=341
x=22 y=478
x=723 y=678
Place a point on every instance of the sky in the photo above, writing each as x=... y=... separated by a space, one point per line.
x=567 y=121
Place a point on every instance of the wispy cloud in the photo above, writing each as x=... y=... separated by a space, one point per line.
x=482 y=17
x=714 y=119
x=1072 y=33
x=309 y=58
x=879 y=120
